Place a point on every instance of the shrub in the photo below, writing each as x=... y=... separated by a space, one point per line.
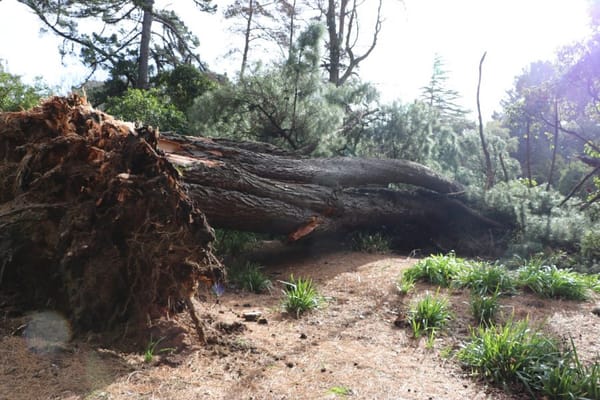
x=485 y=279
x=300 y=295
x=436 y=269
x=590 y=245
x=428 y=314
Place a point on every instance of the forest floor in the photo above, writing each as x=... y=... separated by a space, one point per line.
x=349 y=347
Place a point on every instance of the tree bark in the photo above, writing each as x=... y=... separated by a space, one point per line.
x=143 y=81
x=489 y=171
x=255 y=187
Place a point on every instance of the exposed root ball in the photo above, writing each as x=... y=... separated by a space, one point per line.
x=93 y=220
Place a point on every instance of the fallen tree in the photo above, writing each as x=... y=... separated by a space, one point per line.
x=109 y=223
x=257 y=187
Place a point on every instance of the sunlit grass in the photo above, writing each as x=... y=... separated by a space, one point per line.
x=300 y=295
x=428 y=314
x=436 y=269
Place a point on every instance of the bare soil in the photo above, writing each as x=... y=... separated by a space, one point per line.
x=350 y=347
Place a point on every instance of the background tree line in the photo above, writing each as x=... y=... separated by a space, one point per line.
x=544 y=145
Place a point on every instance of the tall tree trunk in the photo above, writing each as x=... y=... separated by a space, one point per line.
x=292 y=30
x=247 y=38
x=528 y=151
x=334 y=43
x=489 y=172
x=554 y=145
x=142 y=80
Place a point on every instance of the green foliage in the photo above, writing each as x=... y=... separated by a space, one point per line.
x=183 y=84
x=250 y=278
x=486 y=279
x=107 y=35
x=300 y=295
x=16 y=95
x=510 y=354
x=370 y=243
x=542 y=222
x=146 y=107
x=552 y=282
x=428 y=315
x=590 y=245
x=285 y=105
x=233 y=243
x=437 y=269
x=484 y=307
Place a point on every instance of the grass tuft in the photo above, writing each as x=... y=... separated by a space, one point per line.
x=436 y=269
x=552 y=282
x=300 y=295
x=484 y=307
x=486 y=279
x=428 y=315
x=251 y=278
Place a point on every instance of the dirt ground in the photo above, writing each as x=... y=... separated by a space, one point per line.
x=350 y=347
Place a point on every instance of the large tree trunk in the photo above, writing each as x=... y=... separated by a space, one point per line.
x=256 y=187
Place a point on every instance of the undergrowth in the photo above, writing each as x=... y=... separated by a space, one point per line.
x=517 y=354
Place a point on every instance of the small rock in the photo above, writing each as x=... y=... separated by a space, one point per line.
x=251 y=315
x=289 y=364
x=303 y=336
x=263 y=321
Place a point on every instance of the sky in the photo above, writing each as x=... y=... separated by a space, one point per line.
x=513 y=32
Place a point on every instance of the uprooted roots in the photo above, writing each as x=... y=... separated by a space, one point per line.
x=93 y=221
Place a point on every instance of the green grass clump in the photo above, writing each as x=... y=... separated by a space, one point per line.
x=428 y=315
x=515 y=354
x=251 y=278
x=300 y=295
x=405 y=284
x=437 y=269
x=370 y=243
x=570 y=379
x=552 y=282
x=510 y=354
x=486 y=279
x=484 y=307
